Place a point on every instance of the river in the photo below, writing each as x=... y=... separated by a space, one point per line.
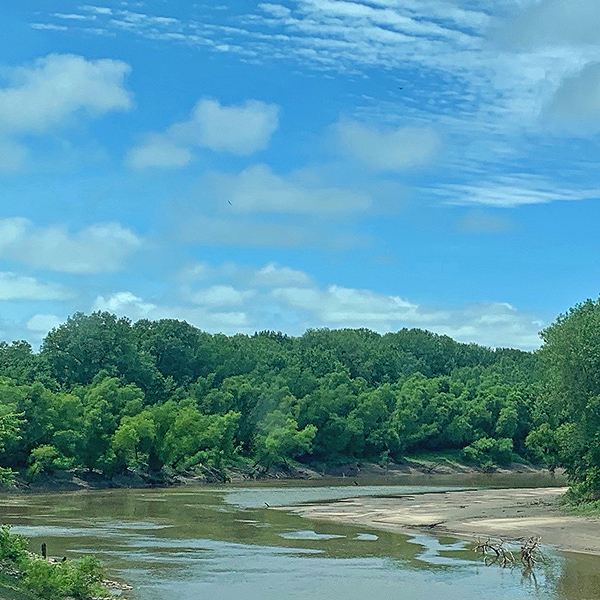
x=224 y=543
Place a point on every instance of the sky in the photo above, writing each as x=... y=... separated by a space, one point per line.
x=300 y=164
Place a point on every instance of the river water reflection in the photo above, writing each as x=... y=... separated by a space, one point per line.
x=223 y=543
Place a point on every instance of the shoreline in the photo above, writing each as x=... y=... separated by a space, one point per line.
x=362 y=473
x=511 y=514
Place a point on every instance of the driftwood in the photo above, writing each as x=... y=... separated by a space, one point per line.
x=495 y=552
x=530 y=551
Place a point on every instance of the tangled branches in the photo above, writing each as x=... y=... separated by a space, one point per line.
x=530 y=551
x=495 y=552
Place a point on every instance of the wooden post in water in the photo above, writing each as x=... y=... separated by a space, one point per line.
x=44 y=553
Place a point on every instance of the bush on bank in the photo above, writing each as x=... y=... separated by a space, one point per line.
x=81 y=579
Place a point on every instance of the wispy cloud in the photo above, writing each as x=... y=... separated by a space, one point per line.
x=511 y=190
x=457 y=80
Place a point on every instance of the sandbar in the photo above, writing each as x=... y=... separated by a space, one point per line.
x=510 y=514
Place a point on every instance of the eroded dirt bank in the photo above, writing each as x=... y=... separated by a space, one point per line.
x=501 y=513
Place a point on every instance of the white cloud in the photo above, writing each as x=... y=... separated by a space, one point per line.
x=237 y=299
x=124 y=303
x=393 y=149
x=51 y=93
x=221 y=295
x=346 y=307
x=42 y=323
x=74 y=17
x=238 y=129
x=129 y=305
x=99 y=248
x=258 y=189
x=276 y=10
x=273 y=275
x=59 y=86
x=575 y=106
x=510 y=191
x=49 y=27
x=19 y=287
x=98 y=10
x=493 y=324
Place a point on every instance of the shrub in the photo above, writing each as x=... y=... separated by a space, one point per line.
x=46 y=459
x=13 y=547
x=80 y=579
x=488 y=452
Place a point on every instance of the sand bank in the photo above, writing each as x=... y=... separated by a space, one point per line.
x=508 y=513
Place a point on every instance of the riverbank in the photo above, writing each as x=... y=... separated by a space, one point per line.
x=510 y=514
x=360 y=472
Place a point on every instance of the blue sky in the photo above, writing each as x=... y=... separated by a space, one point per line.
x=300 y=163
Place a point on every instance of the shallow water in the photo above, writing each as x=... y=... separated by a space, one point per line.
x=223 y=543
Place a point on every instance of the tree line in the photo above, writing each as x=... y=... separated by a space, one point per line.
x=109 y=395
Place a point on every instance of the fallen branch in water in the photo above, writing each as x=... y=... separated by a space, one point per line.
x=495 y=552
x=530 y=551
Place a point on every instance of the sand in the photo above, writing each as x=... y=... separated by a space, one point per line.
x=511 y=514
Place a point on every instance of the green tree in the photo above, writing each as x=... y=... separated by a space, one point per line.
x=282 y=440
x=134 y=439
x=571 y=353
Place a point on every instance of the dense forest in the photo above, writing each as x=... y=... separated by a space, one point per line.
x=108 y=395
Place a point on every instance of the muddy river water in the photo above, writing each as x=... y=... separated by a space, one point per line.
x=225 y=543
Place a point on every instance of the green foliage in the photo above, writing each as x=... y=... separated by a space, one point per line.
x=488 y=452
x=542 y=444
x=46 y=459
x=571 y=354
x=283 y=440
x=7 y=478
x=194 y=438
x=10 y=426
x=13 y=547
x=80 y=579
x=107 y=395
